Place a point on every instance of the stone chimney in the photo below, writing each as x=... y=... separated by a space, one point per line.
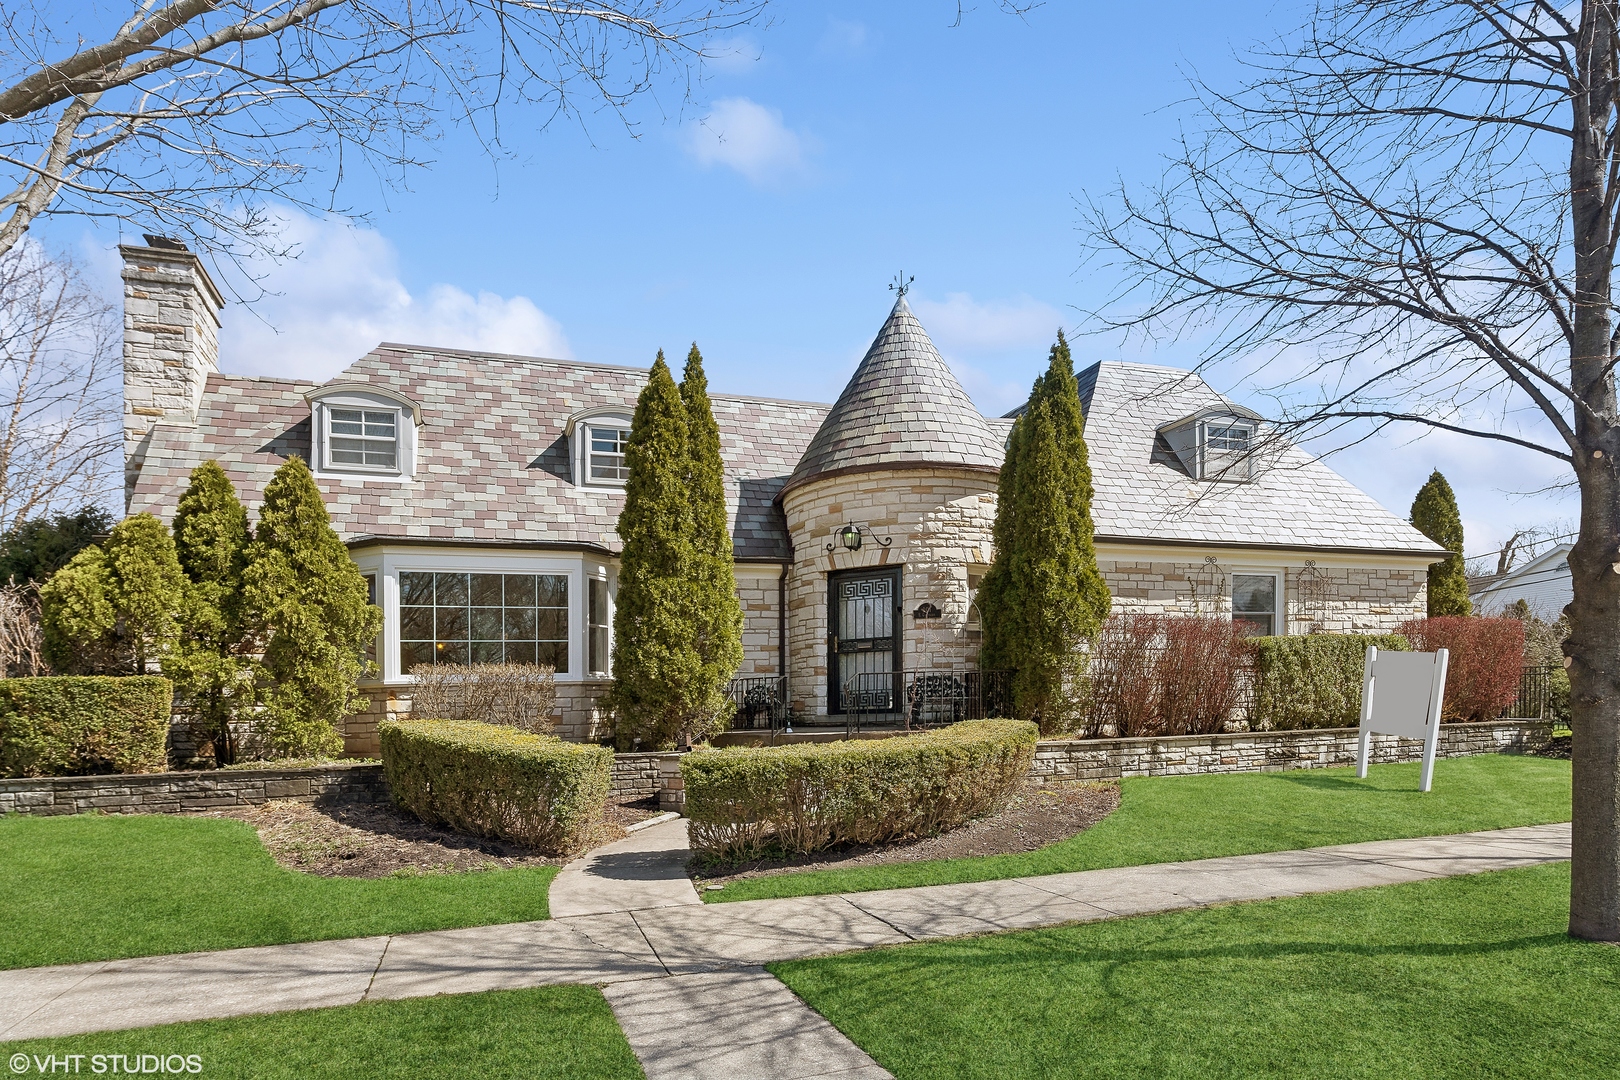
x=171 y=342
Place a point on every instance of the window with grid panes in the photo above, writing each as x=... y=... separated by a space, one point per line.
x=368 y=438
x=605 y=453
x=467 y=618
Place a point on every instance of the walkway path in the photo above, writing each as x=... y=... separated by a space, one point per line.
x=716 y=947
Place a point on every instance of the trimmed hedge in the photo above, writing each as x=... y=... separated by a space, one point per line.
x=489 y=780
x=1313 y=681
x=72 y=725
x=809 y=796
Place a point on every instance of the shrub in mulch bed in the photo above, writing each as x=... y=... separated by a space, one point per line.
x=810 y=796
x=489 y=780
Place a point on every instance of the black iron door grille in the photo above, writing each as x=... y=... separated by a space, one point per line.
x=865 y=641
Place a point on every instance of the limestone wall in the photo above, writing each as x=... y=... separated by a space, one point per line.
x=1324 y=599
x=939 y=522
x=760 y=598
x=169 y=793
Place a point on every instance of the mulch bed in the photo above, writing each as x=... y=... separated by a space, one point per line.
x=1559 y=747
x=1035 y=817
x=380 y=840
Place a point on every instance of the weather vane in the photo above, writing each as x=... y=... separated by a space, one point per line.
x=901 y=283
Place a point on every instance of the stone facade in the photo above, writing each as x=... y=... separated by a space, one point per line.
x=1317 y=598
x=760 y=596
x=171 y=344
x=177 y=792
x=1268 y=751
x=938 y=521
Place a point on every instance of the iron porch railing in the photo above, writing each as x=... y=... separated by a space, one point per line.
x=762 y=703
x=915 y=700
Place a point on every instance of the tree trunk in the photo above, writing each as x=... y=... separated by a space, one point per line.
x=1593 y=648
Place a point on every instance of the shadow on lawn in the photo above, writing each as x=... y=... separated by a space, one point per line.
x=1312 y=779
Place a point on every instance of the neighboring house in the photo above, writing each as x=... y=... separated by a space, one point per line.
x=1543 y=584
x=478 y=493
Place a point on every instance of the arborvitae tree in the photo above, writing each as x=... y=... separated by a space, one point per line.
x=1044 y=597
x=306 y=600
x=715 y=611
x=656 y=662
x=113 y=609
x=1434 y=514
x=36 y=549
x=77 y=620
x=211 y=664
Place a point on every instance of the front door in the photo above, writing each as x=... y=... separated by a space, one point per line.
x=864 y=641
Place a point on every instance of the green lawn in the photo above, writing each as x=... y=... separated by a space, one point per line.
x=95 y=887
x=1466 y=977
x=1168 y=819
x=567 y=1032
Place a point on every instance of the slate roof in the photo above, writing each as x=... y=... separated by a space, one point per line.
x=902 y=407
x=492 y=463
x=1294 y=500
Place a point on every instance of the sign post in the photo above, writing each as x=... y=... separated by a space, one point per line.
x=1401 y=694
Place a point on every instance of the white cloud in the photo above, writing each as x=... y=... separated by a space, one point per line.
x=845 y=38
x=733 y=56
x=962 y=323
x=748 y=137
x=343 y=294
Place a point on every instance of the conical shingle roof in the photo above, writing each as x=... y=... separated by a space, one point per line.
x=902 y=408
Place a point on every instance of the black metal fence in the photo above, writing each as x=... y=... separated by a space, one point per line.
x=1535 y=694
x=914 y=700
x=762 y=703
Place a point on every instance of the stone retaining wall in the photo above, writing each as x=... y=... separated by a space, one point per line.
x=175 y=792
x=640 y=776
x=637 y=776
x=1267 y=751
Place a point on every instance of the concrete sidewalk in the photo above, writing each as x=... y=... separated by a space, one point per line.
x=644 y=870
x=693 y=939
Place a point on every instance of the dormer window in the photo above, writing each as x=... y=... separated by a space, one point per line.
x=600 y=438
x=362 y=430
x=365 y=437
x=607 y=445
x=1216 y=443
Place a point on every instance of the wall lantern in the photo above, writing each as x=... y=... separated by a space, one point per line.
x=850 y=537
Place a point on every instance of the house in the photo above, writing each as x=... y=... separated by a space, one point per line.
x=1543 y=584
x=478 y=493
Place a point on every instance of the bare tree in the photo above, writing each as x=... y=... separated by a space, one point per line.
x=183 y=117
x=1410 y=209
x=59 y=406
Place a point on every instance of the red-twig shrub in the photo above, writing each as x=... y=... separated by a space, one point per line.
x=1165 y=675
x=1483 y=670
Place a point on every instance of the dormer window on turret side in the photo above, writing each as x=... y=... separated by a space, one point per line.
x=1215 y=443
x=362 y=430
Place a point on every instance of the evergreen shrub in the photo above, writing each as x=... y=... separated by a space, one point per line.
x=1312 y=681
x=1435 y=515
x=69 y=725
x=1485 y=665
x=489 y=780
x=809 y=796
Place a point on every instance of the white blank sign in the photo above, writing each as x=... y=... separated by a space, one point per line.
x=1401 y=694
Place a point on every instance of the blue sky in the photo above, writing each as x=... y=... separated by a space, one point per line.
x=823 y=154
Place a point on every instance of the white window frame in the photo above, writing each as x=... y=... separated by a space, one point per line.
x=602 y=574
x=1224 y=464
x=407 y=417
x=580 y=428
x=389 y=562
x=1279 y=614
